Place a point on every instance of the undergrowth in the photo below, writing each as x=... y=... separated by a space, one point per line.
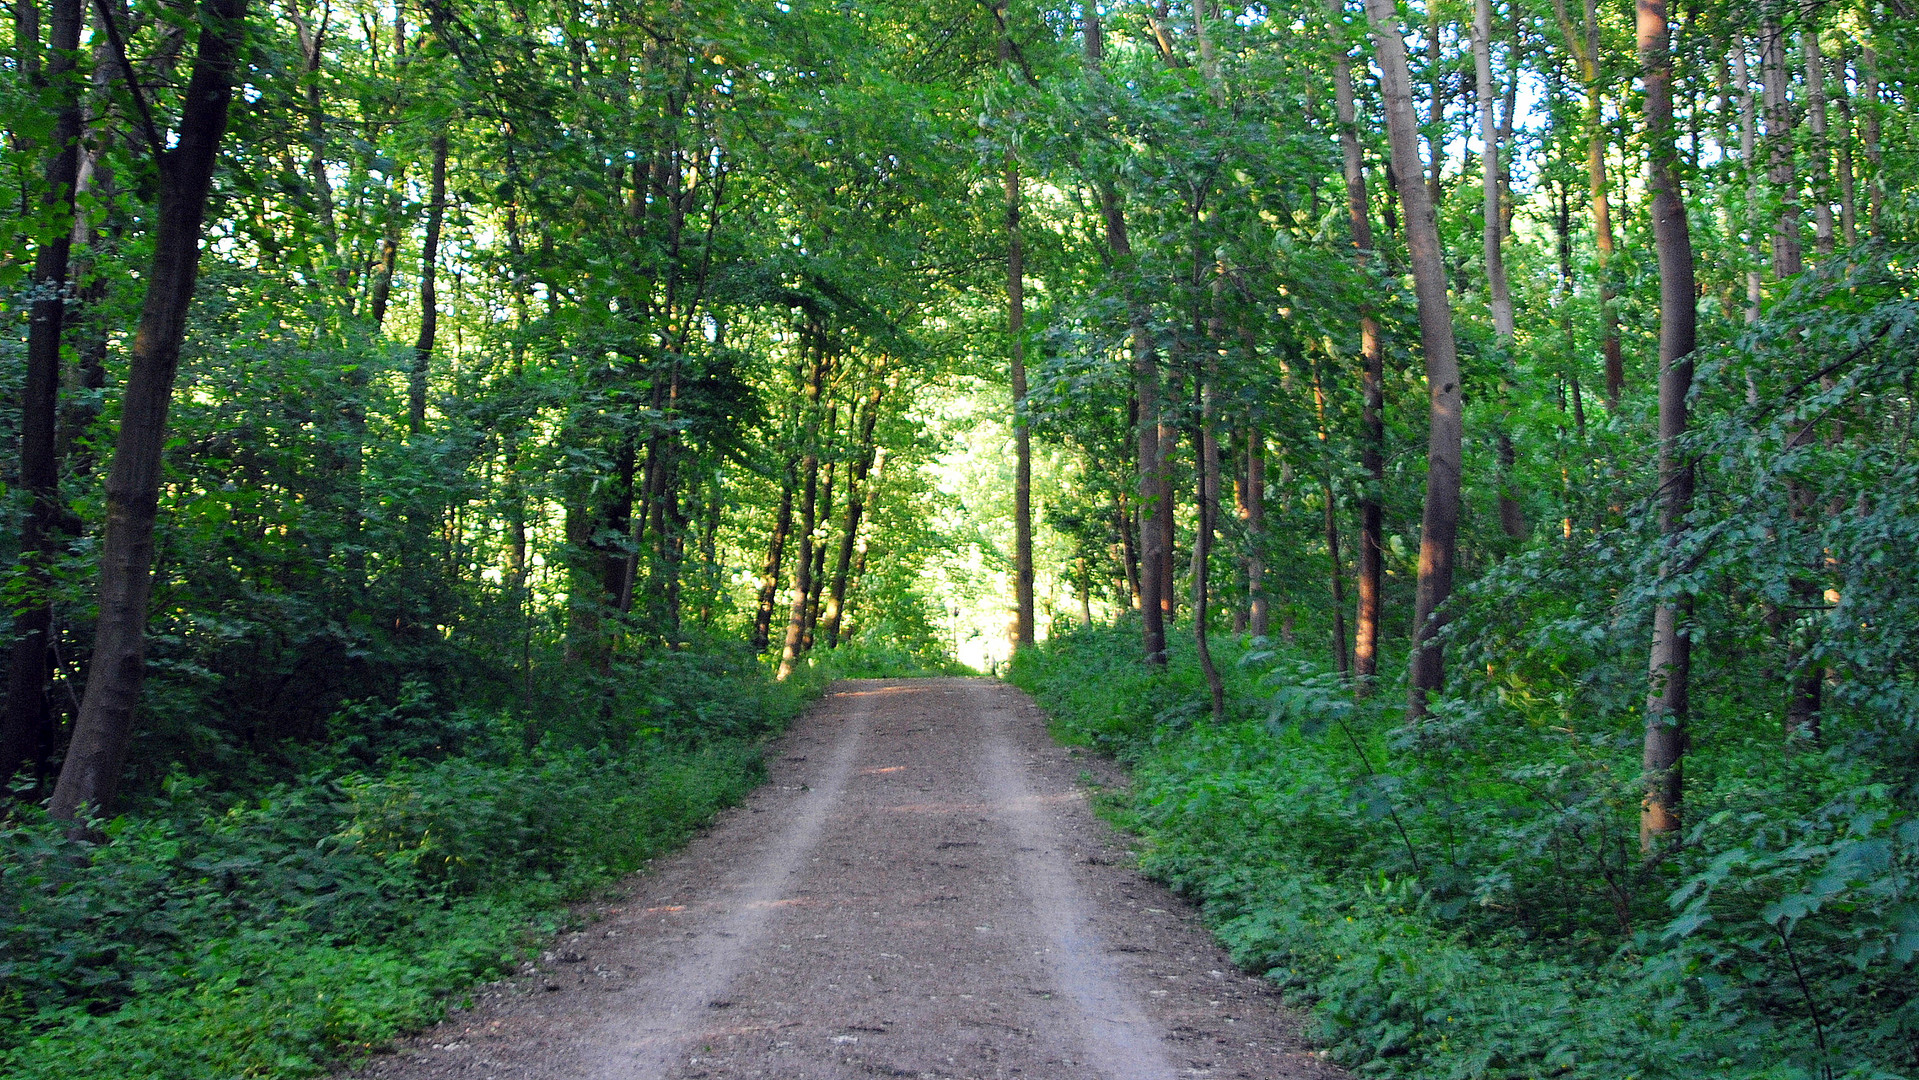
x=213 y=936
x=1468 y=899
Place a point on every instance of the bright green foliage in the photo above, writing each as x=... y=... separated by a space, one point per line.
x=1466 y=900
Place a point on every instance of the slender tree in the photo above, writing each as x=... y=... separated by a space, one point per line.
x=1671 y=661
x=104 y=729
x=1439 y=523
x=26 y=724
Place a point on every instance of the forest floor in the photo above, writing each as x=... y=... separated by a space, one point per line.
x=920 y=890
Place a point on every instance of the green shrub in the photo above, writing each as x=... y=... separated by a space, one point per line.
x=209 y=937
x=1468 y=899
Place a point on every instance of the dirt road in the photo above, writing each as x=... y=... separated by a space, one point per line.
x=919 y=891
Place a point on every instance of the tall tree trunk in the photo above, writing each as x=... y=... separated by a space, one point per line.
x=1818 y=146
x=1787 y=259
x=1154 y=555
x=1748 y=158
x=104 y=728
x=1435 y=106
x=801 y=590
x=1335 y=564
x=1207 y=504
x=1015 y=332
x=1439 y=523
x=1498 y=292
x=26 y=725
x=1842 y=156
x=775 y=549
x=1372 y=377
x=1671 y=654
x=1869 y=132
x=855 y=510
x=1259 y=609
x=380 y=291
x=817 y=578
x=1123 y=524
x=1493 y=234
x=416 y=386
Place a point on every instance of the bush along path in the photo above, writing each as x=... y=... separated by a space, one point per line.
x=920 y=890
x=1451 y=912
x=270 y=936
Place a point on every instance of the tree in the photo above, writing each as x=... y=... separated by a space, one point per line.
x=1671 y=662
x=104 y=727
x=1439 y=524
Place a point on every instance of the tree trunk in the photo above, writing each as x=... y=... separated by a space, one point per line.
x=1671 y=654
x=1787 y=259
x=1748 y=157
x=855 y=510
x=775 y=549
x=416 y=386
x=1015 y=332
x=1439 y=523
x=1818 y=146
x=818 y=574
x=1499 y=293
x=104 y=728
x=26 y=725
x=1153 y=540
x=1869 y=132
x=1123 y=518
x=1202 y=546
x=1842 y=156
x=1259 y=608
x=1585 y=48
x=802 y=588
x=1372 y=378
x=381 y=289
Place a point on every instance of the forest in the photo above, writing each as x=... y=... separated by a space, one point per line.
x=1457 y=455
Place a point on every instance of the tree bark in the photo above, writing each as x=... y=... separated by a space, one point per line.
x=1372 y=376
x=1671 y=655
x=775 y=550
x=1439 y=522
x=1154 y=554
x=1818 y=145
x=1207 y=503
x=1015 y=332
x=1787 y=258
x=1748 y=158
x=103 y=731
x=416 y=387
x=1498 y=291
x=1869 y=132
x=855 y=510
x=802 y=588
x=26 y=725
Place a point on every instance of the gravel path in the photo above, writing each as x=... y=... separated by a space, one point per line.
x=919 y=891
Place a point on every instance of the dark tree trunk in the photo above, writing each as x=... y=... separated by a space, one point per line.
x=855 y=510
x=26 y=725
x=416 y=387
x=802 y=588
x=1671 y=657
x=104 y=728
x=1439 y=523
x=1015 y=332
x=775 y=550
x=1155 y=547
